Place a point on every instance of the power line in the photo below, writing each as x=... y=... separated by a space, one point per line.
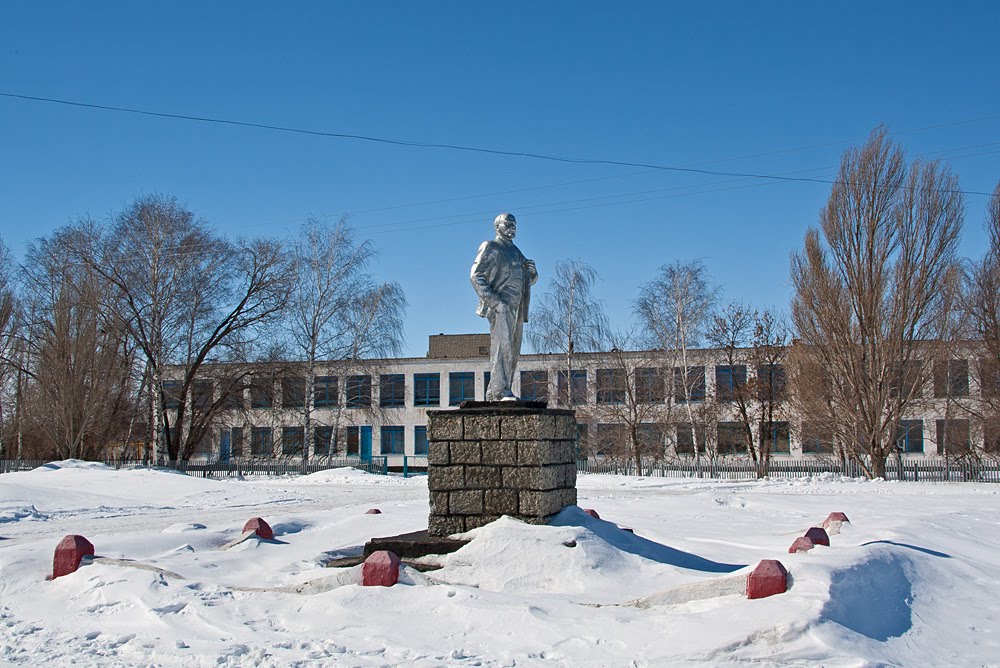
x=416 y=144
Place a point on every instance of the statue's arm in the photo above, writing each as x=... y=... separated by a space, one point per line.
x=532 y=271
x=479 y=275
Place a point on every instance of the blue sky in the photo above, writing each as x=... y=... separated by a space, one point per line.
x=765 y=88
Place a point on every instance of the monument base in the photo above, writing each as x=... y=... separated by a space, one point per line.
x=489 y=459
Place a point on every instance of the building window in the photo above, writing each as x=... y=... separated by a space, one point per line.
x=578 y=390
x=610 y=386
x=426 y=389
x=236 y=441
x=325 y=391
x=231 y=390
x=650 y=439
x=582 y=438
x=293 y=392
x=261 y=442
x=953 y=437
x=989 y=378
x=906 y=379
x=729 y=381
x=353 y=440
x=392 y=440
x=391 y=390
x=650 y=386
x=732 y=439
x=420 y=440
x=608 y=438
x=686 y=438
x=690 y=385
x=202 y=392
x=816 y=440
x=323 y=443
x=951 y=378
x=780 y=438
x=461 y=387
x=991 y=436
x=535 y=385
x=359 y=391
x=292 y=439
x=771 y=382
x=172 y=393
x=261 y=393
x=909 y=436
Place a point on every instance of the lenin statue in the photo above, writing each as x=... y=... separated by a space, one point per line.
x=502 y=277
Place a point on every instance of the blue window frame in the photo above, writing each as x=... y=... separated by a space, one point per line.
x=325 y=391
x=689 y=386
x=535 y=385
x=610 y=386
x=728 y=380
x=392 y=440
x=816 y=439
x=172 y=390
x=420 y=440
x=771 y=381
x=261 y=392
x=392 y=390
x=426 y=389
x=486 y=382
x=910 y=436
x=261 y=442
x=323 y=441
x=461 y=387
x=577 y=389
x=293 y=392
x=359 y=391
x=780 y=437
x=291 y=440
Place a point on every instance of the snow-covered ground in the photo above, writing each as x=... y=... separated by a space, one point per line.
x=914 y=580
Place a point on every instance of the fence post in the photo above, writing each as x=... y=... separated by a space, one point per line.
x=405 y=467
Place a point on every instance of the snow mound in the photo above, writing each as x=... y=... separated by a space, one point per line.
x=872 y=597
x=72 y=464
x=18 y=513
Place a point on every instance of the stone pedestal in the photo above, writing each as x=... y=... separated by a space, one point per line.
x=489 y=459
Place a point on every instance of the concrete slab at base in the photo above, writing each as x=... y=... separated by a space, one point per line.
x=414 y=545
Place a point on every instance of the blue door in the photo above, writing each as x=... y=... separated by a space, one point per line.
x=225 y=445
x=366 y=443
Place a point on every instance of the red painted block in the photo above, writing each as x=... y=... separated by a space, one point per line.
x=767 y=579
x=69 y=552
x=818 y=535
x=592 y=513
x=381 y=569
x=833 y=521
x=259 y=527
x=373 y=511
x=801 y=544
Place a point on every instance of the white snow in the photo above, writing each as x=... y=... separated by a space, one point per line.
x=913 y=580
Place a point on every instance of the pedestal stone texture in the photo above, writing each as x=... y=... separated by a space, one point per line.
x=502 y=458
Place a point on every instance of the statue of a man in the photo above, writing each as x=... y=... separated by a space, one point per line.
x=503 y=277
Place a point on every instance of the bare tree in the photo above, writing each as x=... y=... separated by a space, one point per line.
x=872 y=286
x=10 y=340
x=568 y=320
x=339 y=314
x=631 y=391
x=79 y=360
x=752 y=380
x=981 y=316
x=675 y=309
x=186 y=296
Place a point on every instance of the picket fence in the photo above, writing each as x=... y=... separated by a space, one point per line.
x=927 y=470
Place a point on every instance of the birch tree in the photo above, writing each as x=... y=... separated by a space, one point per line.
x=568 y=319
x=872 y=284
x=339 y=313
x=675 y=309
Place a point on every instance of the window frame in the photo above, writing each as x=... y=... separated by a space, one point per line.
x=427 y=389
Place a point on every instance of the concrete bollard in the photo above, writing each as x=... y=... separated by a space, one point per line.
x=767 y=579
x=592 y=513
x=818 y=535
x=373 y=511
x=259 y=527
x=381 y=569
x=801 y=544
x=69 y=552
x=833 y=522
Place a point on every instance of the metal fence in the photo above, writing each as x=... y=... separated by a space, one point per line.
x=232 y=468
x=928 y=470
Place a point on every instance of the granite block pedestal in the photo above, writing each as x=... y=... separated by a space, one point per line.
x=488 y=459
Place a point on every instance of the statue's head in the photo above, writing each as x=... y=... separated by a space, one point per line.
x=506 y=225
